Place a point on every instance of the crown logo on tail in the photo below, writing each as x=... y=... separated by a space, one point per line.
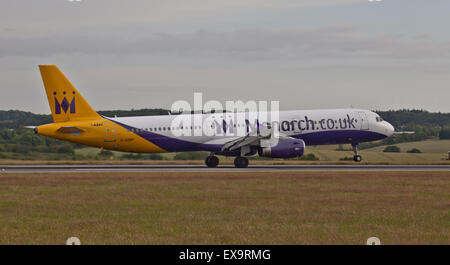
x=64 y=105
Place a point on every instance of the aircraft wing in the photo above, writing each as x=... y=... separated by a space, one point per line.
x=264 y=132
x=240 y=142
x=266 y=136
x=407 y=132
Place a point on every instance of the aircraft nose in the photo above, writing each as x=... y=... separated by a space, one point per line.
x=389 y=129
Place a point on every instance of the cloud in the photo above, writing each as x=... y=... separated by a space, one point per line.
x=153 y=27
x=319 y=43
x=154 y=50
x=100 y=11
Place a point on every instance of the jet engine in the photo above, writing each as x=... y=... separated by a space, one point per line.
x=285 y=148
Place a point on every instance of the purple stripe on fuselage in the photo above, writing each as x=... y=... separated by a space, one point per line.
x=171 y=144
x=168 y=143
x=339 y=137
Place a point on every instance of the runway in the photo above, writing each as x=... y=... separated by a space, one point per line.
x=225 y=168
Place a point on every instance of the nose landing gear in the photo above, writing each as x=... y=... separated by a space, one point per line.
x=356 y=157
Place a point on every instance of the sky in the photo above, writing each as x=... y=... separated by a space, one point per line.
x=307 y=54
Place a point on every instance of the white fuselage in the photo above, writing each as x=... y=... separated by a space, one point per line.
x=209 y=132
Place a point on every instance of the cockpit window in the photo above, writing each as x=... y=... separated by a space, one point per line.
x=379 y=119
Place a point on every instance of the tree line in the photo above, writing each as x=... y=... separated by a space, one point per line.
x=19 y=142
x=424 y=124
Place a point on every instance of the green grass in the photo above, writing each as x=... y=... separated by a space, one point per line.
x=381 y=157
x=433 y=152
x=225 y=208
x=428 y=146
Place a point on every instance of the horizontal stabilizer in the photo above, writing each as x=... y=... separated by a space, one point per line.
x=404 y=132
x=71 y=130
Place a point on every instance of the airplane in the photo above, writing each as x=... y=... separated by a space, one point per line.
x=74 y=120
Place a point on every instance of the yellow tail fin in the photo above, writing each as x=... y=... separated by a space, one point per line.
x=66 y=103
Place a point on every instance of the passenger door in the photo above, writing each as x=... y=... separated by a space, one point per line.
x=110 y=131
x=363 y=120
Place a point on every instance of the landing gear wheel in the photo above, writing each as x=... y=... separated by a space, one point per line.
x=212 y=161
x=241 y=162
x=357 y=158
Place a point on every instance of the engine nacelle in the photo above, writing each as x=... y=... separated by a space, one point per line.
x=286 y=148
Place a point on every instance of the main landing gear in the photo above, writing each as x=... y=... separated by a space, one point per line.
x=212 y=161
x=241 y=162
x=356 y=157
